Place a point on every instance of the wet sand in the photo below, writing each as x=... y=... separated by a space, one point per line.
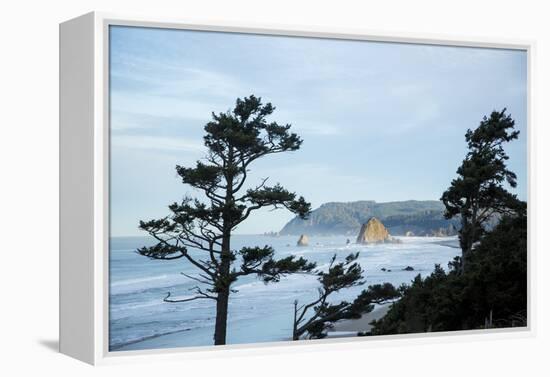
x=361 y=324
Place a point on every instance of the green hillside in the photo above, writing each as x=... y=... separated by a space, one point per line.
x=419 y=217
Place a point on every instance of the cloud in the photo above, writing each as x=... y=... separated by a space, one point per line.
x=166 y=78
x=422 y=116
x=158 y=106
x=310 y=179
x=158 y=143
x=315 y=128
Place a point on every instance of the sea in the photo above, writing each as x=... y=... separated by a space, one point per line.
x=139 y=318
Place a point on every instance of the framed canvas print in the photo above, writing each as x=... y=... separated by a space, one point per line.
x=225 y=187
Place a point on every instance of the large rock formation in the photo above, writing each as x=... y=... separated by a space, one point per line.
x=303 y=241
x=372 y=232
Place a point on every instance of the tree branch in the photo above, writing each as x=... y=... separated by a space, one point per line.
x=167 y=298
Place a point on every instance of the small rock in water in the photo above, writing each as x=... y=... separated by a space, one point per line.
x=383 y=269
x=408 y=268
x=303 y=241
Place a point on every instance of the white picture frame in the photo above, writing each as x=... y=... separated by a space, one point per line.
x=84 y=188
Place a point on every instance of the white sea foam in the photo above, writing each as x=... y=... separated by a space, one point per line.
x=136 y=285
x=138 y=281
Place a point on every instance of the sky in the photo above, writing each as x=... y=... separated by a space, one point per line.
x=380 y=121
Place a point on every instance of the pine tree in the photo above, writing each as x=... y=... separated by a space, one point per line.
x=478 y=194
x=234 y=140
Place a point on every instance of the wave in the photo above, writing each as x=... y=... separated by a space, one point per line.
x=138 y=280
x=116 y=308
x=119 y=345
x=147 y=283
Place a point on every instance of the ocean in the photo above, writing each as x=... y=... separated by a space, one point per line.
x=139 y=319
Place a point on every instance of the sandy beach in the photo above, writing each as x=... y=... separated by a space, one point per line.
x=353 y=326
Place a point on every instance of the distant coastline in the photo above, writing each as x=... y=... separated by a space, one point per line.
x=410 y=217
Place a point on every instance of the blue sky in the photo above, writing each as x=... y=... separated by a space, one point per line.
x=380 y=121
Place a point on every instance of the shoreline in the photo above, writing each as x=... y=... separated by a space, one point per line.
x=351 y=327
x=449 y=243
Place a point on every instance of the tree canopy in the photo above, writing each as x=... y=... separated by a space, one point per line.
x=479 y=193
x=234 y=140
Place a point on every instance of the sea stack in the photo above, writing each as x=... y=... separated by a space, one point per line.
x=303 y=240
x=373 y=232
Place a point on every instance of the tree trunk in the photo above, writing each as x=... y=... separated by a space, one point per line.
x=223 y=283
x=462 y=239
x=466 y=234
x=221 y=317
x=223 y=286
x=295 y=335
